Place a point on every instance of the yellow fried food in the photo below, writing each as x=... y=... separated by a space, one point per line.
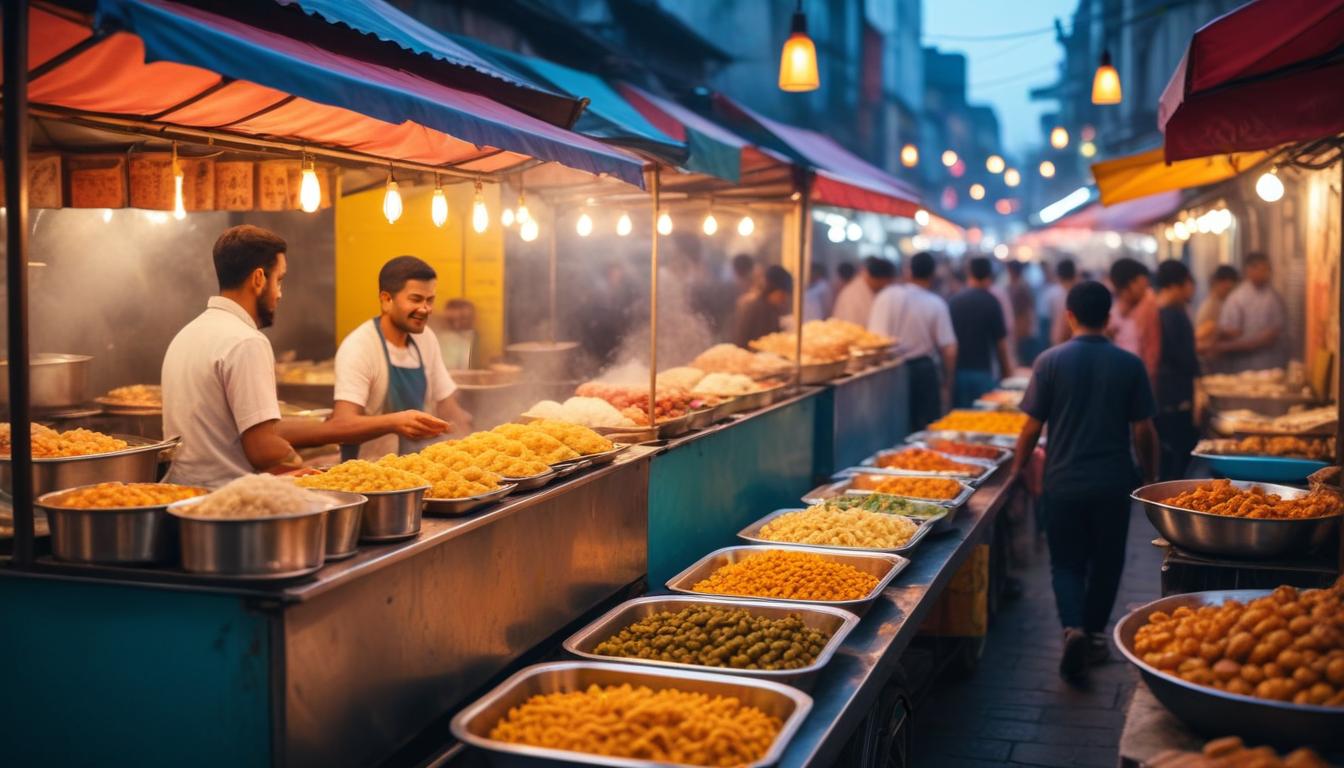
x=1220 y=497
x=664 y=726
x=789 y=575
x=824 y=524
x=544 y=446
x=120 y=495
x=989 y=422
x=456 y=456
x=359 y=476
x=579 y=438
x=924 y=460
x=445 y=482
x=47 y=443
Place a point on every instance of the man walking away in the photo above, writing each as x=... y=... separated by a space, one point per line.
x=1252 y=321
x=981 y=335
x=1093 y=396
x=1177 y=369
x=919 y=321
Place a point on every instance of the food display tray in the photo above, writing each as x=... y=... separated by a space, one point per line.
x=1271 y=469
x=819 y=373
x=674 y=427
x=986 y=468
x=885 y=567
x=1235 y=537
x=628 y=435
x=836 y=621
x=1217 y=713
x=468 y=504
x=940 y=522
x=752 y=533
x=755 y=400
x=998 y=441
x=845 y=486
x=473 y=725
x=532 y=482
x=1004 y=454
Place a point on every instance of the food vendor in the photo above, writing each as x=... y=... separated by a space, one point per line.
x=393 y=364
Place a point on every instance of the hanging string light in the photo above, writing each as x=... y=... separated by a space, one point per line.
x=977 y=191
x=179 y=205
x=623 y=225
x=521 y=215
x=1059 y=137
x=438 y=204
x=711 y=224
x=1047 y=169
x=584 y=226
x=392 y=206
x=994 y=164
x=310 y=191
x=949 y=158
x=1106 y=82
x=909 y=155
x=798 y=58
x=1012 y=177
x=529 y=230
x=1087 y=149
x=506 y=217
x=480 y=216
x=1269 y=186
x=745 y=226
x=922 y=217
x=664 y=224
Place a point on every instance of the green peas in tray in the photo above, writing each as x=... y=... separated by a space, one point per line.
x=891 y=505
x=711 y=636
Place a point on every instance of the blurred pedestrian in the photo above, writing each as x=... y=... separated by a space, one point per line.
x=981 y=335
x=843 y=274
x=1251 y=322
x=1221 y=283
x=920 y=322
x=819 y=298
x=855 y=301
x=1066 y=276
x=1023 y=302
x=1134 y=326
x=761 y=312
x=1177 y=369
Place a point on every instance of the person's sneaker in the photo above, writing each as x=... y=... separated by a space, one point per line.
x=1098 y=648
x=1073 y=661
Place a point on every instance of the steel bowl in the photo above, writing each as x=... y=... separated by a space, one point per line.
x=835 y=622
x=343 y=521
x=276 y=547
x=1216 y=713
x=109 y=534
x=55 y=381
x=474 y=723
x=392 y=515
x=138 y=463
x=1237 y=537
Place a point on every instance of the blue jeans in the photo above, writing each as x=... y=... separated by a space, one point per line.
x=1086 y=535
x=968 y=386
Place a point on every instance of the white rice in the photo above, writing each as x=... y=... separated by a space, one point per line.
x=584 y=411
x=255 y=496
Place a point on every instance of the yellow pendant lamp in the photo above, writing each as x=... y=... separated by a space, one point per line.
x=1106 y=82
x=798 y=59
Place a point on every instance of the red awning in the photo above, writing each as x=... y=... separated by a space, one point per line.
x=1266 y=74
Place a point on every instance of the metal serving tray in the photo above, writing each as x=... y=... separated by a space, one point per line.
x=1004 y=453
x=473 y=724
x=606 y=457
x=468 y=504
x=1228 y=536
x=885 y=567
x=986 y=467
x=820 y=373
x=998 y=441
x=835 y=621
x=752 y=533
x=531 y=482
x=845 y=486
x=1217 y=713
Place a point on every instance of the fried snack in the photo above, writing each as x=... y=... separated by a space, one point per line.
x=925 y=460
x=814 y=352
x=359 y=476
x=47 y=443
x=987 y=422
x=665 y=726
x=1231 y=752
x=444 y=482
x=730 y=358
x=1287 y=646
x=1220 y=497
x=712 y=636
x=542 y=445
x=1316 y=449
x=136 y=396
x=789 y=575
x=836 y=527
x=501 y=455
x=935 y=488
x=125 y=495
x=969 y=450
x=580 y=439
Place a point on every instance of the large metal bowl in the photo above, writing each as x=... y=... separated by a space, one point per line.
x=343 y=522
x=1238 y=537
x=473 y=724
x=1217 y=713
x=138 y=463
x=55 y=381
x=835 y=622
x=109 y=534
x=392 y=515
x=276 y=547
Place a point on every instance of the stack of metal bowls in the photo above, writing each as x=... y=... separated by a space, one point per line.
x=392 y=515
x=344 y=520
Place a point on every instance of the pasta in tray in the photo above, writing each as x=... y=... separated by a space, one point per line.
x=832 y=526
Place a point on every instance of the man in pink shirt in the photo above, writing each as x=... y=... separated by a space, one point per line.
x=1135 y=326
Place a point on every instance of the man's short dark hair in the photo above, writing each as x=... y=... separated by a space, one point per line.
x=1066 y=269
x=1171 y=273
x=1090 y=303
x=982 y=268
x=1125 y=271
x=922 y=266
x=819 y=270
x=846 y=271
x=743 y=265
x=1015 y=268
x=880 y=269
x=396 y=273
x=778 y=278
x=1225 y=273
x=244 y=249
x=1255 y=257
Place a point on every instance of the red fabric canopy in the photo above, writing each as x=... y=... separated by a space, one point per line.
x=1266 y=74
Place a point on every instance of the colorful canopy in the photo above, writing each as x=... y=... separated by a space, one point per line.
x=1266 y=74
x=713 y=149
x=168 y=63
x=1130 y=216
x=1147 y=173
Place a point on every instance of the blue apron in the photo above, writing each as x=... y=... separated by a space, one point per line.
x=406 y=389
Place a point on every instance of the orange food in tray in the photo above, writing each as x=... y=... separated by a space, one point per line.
x=924 y=460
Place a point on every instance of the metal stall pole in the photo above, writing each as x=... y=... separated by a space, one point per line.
x=555 y=235
x=804 y=242
x=1339 y=354
x=653 y=302
x=15 y=95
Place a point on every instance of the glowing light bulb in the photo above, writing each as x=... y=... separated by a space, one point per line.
x=711 y=224
x=994 y=164
x=1047 y=169
x=1011 y=177
x=746 y=226
x=529 y=230
x=1059 y=137
x=949 y=158
x=107 y=215
x=909 y=155
x=798 y=58
x=664 y=224
x=392 y=206
x=438 y=208
x=1106 y=82
x=623 y=225
x=853 y=231
x=1269 y=187
x=977 y=191
x=584 y=226
x=521 y=215
x=836 y=234
x=1087 y=149
x=922 y=217
x=506 y=218
x=310 y=190
x=480 y=217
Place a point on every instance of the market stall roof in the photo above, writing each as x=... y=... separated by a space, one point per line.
x=170 y=64
x=1266 y=74
x=1131 y=216
x=841 y=179
x=1147 y=173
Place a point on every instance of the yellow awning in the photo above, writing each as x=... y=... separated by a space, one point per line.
x=1147 y=173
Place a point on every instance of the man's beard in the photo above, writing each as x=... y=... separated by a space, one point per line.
x=405 y=326
x=265 y=314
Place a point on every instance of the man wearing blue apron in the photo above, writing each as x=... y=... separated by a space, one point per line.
x=393 y=365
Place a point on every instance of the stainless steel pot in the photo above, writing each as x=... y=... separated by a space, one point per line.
x=138 y=463
x=275 y=547
x=55 y=381
x=392 y=515
x=110 y=535
x=343 y=521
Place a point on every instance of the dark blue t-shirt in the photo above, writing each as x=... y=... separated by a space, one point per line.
x=1088 y=391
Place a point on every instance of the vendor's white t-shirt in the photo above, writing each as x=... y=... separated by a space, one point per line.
x=361 y=376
